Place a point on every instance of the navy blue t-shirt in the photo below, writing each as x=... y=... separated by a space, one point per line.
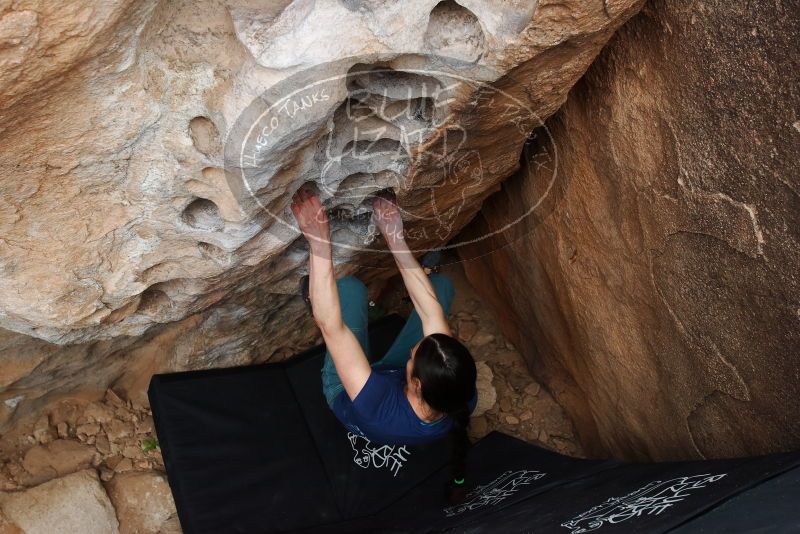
x=381 y=412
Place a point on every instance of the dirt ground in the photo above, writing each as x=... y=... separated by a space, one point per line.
x=523 y=408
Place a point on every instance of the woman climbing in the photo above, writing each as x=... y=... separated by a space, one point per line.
x=424 y=387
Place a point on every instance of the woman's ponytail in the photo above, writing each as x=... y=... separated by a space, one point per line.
x=447 y=374
x=457 y=486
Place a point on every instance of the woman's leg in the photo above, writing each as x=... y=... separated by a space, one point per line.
x=354 y=305
x=400 y=351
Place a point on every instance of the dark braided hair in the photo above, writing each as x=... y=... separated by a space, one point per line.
x=446 y=371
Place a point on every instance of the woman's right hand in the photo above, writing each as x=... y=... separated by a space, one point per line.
x=312 y=219
x=386 y=216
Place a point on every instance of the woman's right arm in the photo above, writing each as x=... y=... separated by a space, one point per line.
x=348 y=357
x=388 y=220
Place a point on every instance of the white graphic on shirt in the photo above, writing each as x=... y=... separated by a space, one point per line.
x=651 y=499
x=367 y=455
x=495 y=491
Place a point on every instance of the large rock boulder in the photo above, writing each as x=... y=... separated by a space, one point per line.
x=74 y=503
x=654 y=289
x=150 y=150
x=142 y=500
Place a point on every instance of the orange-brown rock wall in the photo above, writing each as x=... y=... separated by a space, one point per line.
x=655 y=290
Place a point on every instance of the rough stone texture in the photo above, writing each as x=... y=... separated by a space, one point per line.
x=143 y=501
x=55 y=459
x=112 y=435
x=74 y=503
x=487 y=395
x=509 y=399
x=655 y=292
x=126 y=248
x=8 y=527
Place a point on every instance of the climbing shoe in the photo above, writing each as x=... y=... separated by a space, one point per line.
x=431 y=261
x=304 y=291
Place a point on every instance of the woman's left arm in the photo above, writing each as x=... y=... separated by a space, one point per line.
x=348 y=357
x=386 y=216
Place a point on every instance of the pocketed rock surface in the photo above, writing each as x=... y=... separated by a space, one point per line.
x=131 y=224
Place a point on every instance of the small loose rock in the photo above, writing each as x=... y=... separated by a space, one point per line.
x=467 y=329
x=533 y=389
x=482 y=338
x=124 y=465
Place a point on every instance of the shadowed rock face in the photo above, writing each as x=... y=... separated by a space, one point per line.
x=130 y=241
x=655 y=292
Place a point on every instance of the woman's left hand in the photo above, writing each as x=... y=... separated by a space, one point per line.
x=312 y=218
x=386 y=216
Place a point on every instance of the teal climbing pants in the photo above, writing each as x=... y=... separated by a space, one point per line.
x=354 y=303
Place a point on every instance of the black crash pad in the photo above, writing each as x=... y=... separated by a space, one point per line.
x=255 y=449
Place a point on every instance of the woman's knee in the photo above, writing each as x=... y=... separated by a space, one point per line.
x=352 y=286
